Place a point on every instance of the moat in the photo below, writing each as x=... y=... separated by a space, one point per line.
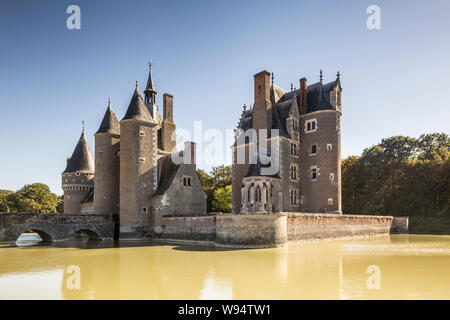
x=412 y=267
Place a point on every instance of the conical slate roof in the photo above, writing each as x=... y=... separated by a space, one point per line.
x=137 y=109
x=109 y=124
x=150 y=86
x=81 y=159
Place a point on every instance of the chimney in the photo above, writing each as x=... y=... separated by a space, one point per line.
x=168 y=107
x=262 y=86
x=303 y=87
x=262 y=108
x=189 y=152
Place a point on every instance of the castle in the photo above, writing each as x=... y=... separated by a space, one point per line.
x=137 y=173
x=286 y=157
x=286 y=177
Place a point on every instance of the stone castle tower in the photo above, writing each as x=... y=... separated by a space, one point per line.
x=107 y=161
x=78 y=177
x=286 y=157
x=138 y=156
x=135 y=176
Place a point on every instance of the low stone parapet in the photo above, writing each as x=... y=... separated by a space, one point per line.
x=189 y=227
x=251 y=230
x=315 y=226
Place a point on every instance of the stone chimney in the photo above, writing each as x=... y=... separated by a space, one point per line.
x=189 y=152
x=168 y=107
x=168 y=126
x=262 y=108
x=302 y=102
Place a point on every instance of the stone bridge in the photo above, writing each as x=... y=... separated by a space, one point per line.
x=56 y=227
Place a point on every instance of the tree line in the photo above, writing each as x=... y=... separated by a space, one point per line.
x=34 y=198
x=400 y=176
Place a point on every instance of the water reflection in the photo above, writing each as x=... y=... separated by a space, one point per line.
x=411 y=267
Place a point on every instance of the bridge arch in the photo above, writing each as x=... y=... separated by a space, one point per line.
x=89 y=232
x=45 y=236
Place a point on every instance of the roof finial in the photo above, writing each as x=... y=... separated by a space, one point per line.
x=109 y=102
x=272 y=78
x=321 y=75
x=245 y=107
x=292 y=86
x=82 y=126
x=150 y=64
x=338 y=76
x=136 y=84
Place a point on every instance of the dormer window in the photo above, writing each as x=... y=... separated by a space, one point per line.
x=295 y=125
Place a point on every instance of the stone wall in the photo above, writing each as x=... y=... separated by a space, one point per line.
x=199 y=228
x=400 y=225
x=251 y=230
x=306 y=226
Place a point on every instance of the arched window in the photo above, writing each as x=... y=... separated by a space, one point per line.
x=248 y=195
x=258 y=194
x=267 y=194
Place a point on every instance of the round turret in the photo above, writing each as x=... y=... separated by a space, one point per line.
x=78 y=177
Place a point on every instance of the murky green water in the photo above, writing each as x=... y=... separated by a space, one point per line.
x=411 y=267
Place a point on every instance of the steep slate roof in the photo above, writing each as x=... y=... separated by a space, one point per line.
x=137 y=109
x=318 y=98
x=81 y=159
x=255 y=168
x=167 y=172
x=109 y=124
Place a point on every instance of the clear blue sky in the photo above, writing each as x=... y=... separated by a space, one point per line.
x=395 y=80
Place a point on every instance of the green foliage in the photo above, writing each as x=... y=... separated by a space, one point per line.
x=219 y=177
x=400 y=176
x=4 y=205
x=222 y=199
x=34 y=198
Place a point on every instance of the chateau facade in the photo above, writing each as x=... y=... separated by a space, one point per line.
x=137 y=172
x=287 y=153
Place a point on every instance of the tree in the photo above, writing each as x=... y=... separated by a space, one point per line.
x=219 y=177
x=4 y=205
x=34 y=198
x=222 y=199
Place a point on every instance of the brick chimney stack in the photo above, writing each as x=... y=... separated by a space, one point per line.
x=302 y=102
